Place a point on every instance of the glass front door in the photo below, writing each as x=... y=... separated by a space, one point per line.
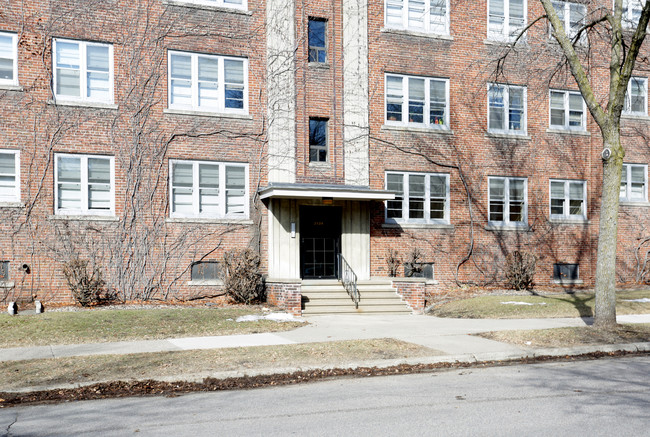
x=320 y=242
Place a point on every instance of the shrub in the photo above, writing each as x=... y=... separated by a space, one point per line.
x=86 y=286
x=413 y=263
x=243 y=280
x=393 y=261
x=520 y=270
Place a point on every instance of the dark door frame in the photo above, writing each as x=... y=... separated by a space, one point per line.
x=320 y=241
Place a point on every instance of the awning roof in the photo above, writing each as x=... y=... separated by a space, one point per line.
x=318 y=191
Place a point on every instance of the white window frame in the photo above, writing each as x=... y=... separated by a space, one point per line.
x=84 y=210
x=566 y=109
x=196 y=190
x=506 y=110
x=428 y=27
x=566 y=207
x=626 y=176
x=427 y=199
x=566 y=14
x=194 y=106
x=509 y=32
x=15 y=197
x=627 y=108
x=506 y=206
x=14 y=45
x=217 y=3
x=83 y=73
x=628 y=21
x=427 y=102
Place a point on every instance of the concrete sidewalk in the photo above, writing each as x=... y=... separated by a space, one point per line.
x=449 y=338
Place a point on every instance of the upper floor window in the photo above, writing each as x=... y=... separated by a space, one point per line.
x=506 y=109
x=413 y=100
x=208 y=189
x=8 y=59
x=567 y=110
x=85 y=184
x=508 y=200
x=506 y=19
x=9 y=176
x=208 y=83
x=631 y=13
x=568 y=199
x=83 y=71
x=430 y=16
x=317 y=40
x=235 y=4
x=317 y=140
x=572 y=15
x=636 y=96
x=419 y=197
x=634 y=183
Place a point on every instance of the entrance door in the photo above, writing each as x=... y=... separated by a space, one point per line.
x=320 y=241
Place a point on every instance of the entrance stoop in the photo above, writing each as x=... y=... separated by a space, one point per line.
x=329 y=297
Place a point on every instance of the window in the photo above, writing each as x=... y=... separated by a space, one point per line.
x=508 y=201
x=83 y=71
x=208 y=189
x=419 y=270
x=634 y=183
x=206 y=271
x=317 y=140
x=572 y=15
x=317 y=42
x=567 y=110
x=636 y=97
x=506 y=19
x=208 y=83
x=4 y=271
x=568 y=199
x=507 y=109
x=8 y=59
x=9 y=176
x=84 y=185
x=566 y=272
x=419 y=197
x=631 y=13
x=235 y=4
x=430 y=16
x=417 y=101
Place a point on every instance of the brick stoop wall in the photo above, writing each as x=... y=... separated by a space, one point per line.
x=285 y=295
x=412 y=292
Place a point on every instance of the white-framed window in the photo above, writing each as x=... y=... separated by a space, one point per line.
x=506 y=19
x=567 y=110
x=631 y=13
x=429 y=16
x=417 y=101
x=568 y=199
x=83 y=71
x=508 y=201
x=572 y=15
x=207 y=83
x=636 y=96
x=84 y=184
x=233 y=4
x=208 y=189
x=506 y=109
x=8 y=58
x=634 y=183
x=9 y=176
x=419 y=197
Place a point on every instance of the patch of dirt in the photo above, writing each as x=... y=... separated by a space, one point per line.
x=119 y=389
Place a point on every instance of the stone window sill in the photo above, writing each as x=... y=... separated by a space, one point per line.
x=638 y=204
x=186 y=4
x=427 y=130
x=568 y=281
x=417 y=226
x=506 y=136
x=319 y=65
x=11 y=88
x=508 y=228
x=85 y=218
x=12 y=205
x=505 y=42
x=568 y=132
x=190 y=112
x=205 y=220
x=92 y=105
x=205 y=283
x=569 y=221
x=6 y=284
x=639 y=117
x=416 y=33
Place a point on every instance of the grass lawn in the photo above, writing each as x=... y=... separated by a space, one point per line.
x=15 y=375
x=552 y=305
x=567 y=337
x=102 y=325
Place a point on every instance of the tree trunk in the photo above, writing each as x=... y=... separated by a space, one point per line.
x=605 y=311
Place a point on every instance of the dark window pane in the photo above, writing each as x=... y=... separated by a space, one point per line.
x=205 y=270
x=317 y=140
x=316 y=40
x=565 y=272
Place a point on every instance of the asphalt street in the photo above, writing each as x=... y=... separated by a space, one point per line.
x=603 y=397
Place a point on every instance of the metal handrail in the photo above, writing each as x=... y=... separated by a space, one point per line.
x=349 y=279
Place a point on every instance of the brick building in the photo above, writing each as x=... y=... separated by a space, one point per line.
x=149 y=137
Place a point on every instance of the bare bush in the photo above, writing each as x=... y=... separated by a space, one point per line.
x=393 y=262
x=86 y=286
x=520 y=270
x=413 y=263
x=243 y=280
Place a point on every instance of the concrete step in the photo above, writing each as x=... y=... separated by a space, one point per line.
x=393 y=309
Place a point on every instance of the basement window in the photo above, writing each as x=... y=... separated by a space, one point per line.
x=4 y=271
x=206 y=271
x=419 y=270
x=566 y=273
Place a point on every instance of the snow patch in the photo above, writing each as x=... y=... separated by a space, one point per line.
x=277 y=317
x=521 y=303
x=644 y=300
